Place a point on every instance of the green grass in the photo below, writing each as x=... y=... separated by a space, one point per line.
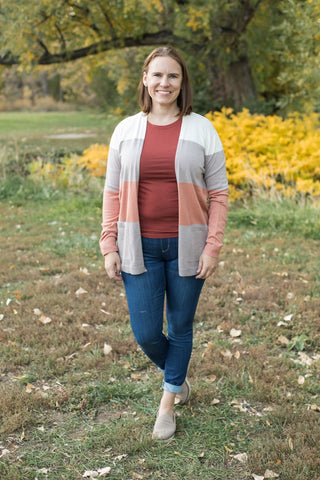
x=26 y=136
x=85 y=410
x=66 y=408
x=20 y=124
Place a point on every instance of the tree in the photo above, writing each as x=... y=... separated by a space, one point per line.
x=215 y=34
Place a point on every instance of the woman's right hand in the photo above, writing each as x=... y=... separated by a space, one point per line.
x=113 y=266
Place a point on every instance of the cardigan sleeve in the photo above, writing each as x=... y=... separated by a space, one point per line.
x=217 y=185
x=111 y=200
x=218 y=210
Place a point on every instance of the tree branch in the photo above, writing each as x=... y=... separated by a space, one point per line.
x=62 y=39
x=107 y=18
x=42 y=45
x=242 y=21
x=148 y=39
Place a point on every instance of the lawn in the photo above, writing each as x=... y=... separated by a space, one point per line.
x=78 y=395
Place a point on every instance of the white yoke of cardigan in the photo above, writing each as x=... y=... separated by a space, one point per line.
x=202 y=193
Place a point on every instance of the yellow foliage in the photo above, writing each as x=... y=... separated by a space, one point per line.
x=195 y=20
x=270 y=154
x=94 y=159
x=263 y=154
x=72 y=170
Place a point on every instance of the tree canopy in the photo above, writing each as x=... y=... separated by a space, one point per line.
x=241 y=51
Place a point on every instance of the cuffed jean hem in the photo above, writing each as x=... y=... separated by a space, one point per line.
x=171 y=388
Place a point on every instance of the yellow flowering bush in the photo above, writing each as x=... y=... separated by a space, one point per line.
x=72 y=170
x=268 y=153
x=264 y=154
x=94 y=159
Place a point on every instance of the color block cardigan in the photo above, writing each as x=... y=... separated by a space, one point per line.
x=201 y=176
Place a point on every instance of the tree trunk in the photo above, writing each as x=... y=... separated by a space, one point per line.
x=44 y=83
x=238 y=84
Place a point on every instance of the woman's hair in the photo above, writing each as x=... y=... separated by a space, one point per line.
x=184 y=100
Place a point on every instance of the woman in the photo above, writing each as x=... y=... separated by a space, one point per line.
x=164 y=214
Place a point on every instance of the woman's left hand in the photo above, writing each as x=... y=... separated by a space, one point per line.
x=207 y=265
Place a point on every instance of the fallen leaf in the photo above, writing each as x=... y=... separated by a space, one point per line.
x=36 y=311
x=90 y=474
x=81 y=291
x=301 y=380
x=281 y=274
x=104 y=471
x=237 y=355
x=44 y=320
x=235 y=333
x=120 y=457
x=270 y=474
x=283 y=340
x=4 y=452
x=241 y=457
x=282 y=324
x=137 y=475
x=1 y=317
x=288 y=318
x=257 y=477
x=226 y=354
x=290 y=443
x=135 y=376
x=215 y=401
x=208 y=349
x=315 y=408
x=43 y=470
x=29 y=387
x=84 y=270
x=107 y=349
x=221 y=327
x=304 y=359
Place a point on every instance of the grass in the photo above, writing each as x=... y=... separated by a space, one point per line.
x=66 y=407
x=26 y=136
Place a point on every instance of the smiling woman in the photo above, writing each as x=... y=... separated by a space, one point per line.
x=165 y=73
x=163 y=80
x=160 y=234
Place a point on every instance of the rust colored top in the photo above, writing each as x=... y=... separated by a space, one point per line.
x=158 y=191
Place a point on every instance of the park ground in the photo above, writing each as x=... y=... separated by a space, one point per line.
x=77 y=395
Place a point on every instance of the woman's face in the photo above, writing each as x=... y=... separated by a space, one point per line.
x=163 y=80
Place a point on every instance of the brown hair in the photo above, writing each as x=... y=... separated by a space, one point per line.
x=184 y=100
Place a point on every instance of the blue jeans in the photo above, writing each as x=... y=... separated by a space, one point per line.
x=146 y=296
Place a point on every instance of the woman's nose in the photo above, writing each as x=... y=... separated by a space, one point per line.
x=164 y=80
